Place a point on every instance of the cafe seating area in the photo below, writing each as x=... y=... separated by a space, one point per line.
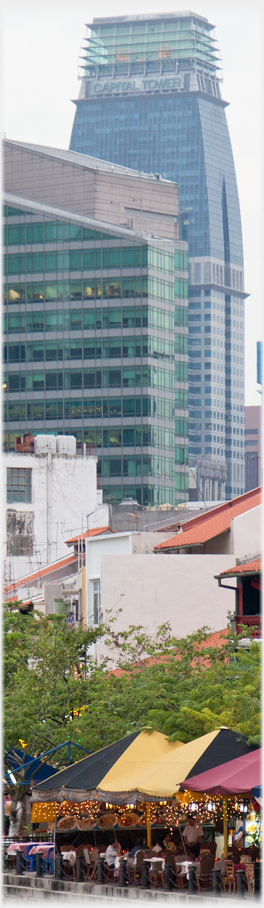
x=156 y=868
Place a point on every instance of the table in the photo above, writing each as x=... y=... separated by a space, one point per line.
x=152 y=862
x=43 y=849
x=69 y=856
x=185 y=865
x=23 y=846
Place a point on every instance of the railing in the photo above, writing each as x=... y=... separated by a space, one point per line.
x=253 y=622
x=168 y=880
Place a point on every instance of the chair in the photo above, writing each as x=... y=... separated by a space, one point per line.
x=90 y=866
x=110 y=873
x=68 y=866
x=134 y=867
x=229 y=876
x=213 y=847
x=250 y=877
x=30 y=859
x=156 y=873
x=48 y=862
x=204 y=877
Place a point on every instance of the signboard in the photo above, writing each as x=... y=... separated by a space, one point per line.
x=161 y=83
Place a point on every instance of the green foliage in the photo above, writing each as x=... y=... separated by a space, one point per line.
x=183 y=688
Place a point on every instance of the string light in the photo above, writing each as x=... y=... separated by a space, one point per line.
x=163 y=813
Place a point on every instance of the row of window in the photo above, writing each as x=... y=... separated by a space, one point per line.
x=91 y=319
x=93 y=259
x=95 y=288
x=127 y=256
x=129 y=347
x=88 y=349
x=137 y=466
x=143 y=493
x=50 y=231
x=115 y=378
x=95 y=408
x=17 y=382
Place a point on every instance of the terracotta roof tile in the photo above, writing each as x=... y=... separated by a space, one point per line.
x=215 y=639
x=213 y=523
x=41 y=572
x=97 y=531
x=248 y=567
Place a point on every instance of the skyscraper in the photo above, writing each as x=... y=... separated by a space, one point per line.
x=150 y=99
x=96 y=317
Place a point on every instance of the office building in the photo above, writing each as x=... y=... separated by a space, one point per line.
x=96 y=319
x=253 y=466
x=150 y=99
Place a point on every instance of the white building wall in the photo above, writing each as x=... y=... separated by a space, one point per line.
x=246 y=532
x=180 y=589
x=64 y=492
x=115 y=544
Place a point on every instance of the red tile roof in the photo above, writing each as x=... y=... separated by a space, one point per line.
x=215 y=639
x=97 y=531
x=248 y=567
x=210 y=524
x=41 y=572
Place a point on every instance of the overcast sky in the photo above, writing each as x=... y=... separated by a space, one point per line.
x=41 y=44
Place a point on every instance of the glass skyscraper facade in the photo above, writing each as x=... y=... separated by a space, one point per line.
x=96 y=345
x=150 y=99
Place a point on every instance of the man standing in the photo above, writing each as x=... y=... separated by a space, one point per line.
x=192 y=835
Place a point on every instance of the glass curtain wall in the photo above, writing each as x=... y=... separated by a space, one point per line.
x=95 y=345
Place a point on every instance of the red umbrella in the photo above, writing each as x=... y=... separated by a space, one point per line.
x=235 y=777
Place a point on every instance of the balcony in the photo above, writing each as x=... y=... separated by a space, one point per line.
x=249 y=621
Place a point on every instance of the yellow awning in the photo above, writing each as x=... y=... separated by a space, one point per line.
x=155 y=767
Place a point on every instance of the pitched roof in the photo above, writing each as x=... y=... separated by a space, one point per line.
x=41 y=573
x=210 y=524
x=248 y=567
x=97 y=531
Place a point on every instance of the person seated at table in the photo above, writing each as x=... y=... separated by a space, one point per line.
x=205 y=847
x=111 y=853
x=139 y=846
x=192 y=835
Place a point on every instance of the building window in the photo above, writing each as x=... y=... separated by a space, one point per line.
x=96 y=601
x=19 y=484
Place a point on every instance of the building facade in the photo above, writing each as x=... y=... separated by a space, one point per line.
x=96 y=325
x=253 y=466
x=47 y=497
x=150 y=99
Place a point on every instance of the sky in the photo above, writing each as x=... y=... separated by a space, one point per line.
x=41 y=45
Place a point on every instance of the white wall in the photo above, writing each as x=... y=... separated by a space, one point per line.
x=176 y=588
x=64 y=491
x=246 y=531
x=114 y=544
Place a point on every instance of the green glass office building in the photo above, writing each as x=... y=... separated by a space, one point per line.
x=96 y=344
x=151 y=99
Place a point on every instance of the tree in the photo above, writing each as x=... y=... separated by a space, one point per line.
x=45 y=664
x=181 y=687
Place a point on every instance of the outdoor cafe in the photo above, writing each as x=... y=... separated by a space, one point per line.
x=135 y=801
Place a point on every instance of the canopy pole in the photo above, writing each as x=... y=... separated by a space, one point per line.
x=225 y=826
x=54 y=833
x=148 y=825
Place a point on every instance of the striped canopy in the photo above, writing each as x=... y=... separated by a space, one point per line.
x=126 y=762
x=141 y=766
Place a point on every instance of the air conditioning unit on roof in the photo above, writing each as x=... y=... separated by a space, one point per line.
x=66 y=444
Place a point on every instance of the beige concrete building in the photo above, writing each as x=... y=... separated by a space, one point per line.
x=98 y=189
